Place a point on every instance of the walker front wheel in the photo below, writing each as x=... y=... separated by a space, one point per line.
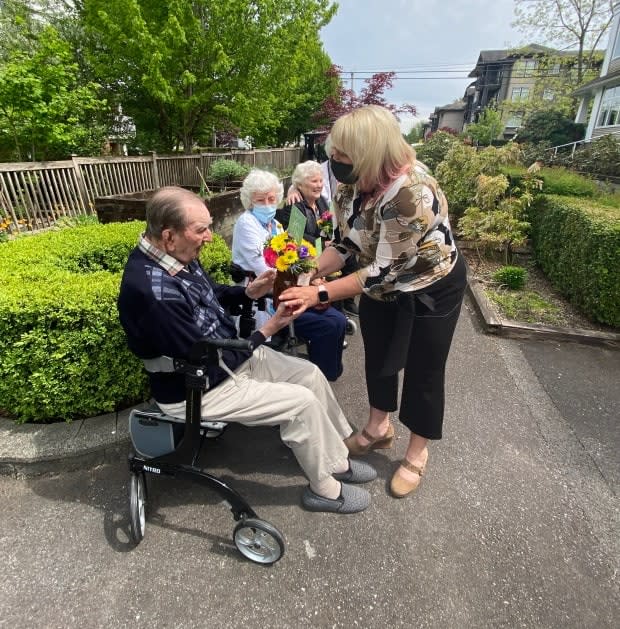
x=137 y=506
x=259 y=541
x=351 y=327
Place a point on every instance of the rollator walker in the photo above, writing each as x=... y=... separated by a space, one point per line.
x=165 y=446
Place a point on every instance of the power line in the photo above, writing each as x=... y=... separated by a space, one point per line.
x=414 y=66
x=409 y=71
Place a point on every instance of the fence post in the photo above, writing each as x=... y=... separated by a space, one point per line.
x=155 y=171
x=87 y=202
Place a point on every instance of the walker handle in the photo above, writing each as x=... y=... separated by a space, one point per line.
x=205 y=351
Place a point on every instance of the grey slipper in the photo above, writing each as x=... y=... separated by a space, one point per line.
x=351 y=500
x=358 y=472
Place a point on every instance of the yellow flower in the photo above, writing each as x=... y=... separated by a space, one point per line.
x=290 y=257
x=281 y=264
x=278 y=242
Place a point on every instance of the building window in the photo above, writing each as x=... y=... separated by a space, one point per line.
x=554 y=69
x=530 y=66
x=525 y=68
x=515 y=120
x=616 y=49
x=520 y=93
x=609 y=113
x=548 y=94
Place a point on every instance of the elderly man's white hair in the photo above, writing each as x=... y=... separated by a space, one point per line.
x=304 y=171
x=260 y=181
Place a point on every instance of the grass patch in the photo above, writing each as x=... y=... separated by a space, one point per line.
x=525 y=306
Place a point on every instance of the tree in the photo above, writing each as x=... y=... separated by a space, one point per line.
x=344 y=100
x=580 y=25
x=488 y=127
x=416 y=134
x=182 y=70
x=46 y=111
x=551 y=127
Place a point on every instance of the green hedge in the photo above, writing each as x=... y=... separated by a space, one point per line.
x=577 y=244
x=556 y=180
x=63 y=354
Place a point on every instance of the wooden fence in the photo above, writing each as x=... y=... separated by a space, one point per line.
x=33 y=195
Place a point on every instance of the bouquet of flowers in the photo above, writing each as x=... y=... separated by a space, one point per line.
x=291 y=259
x=326 y=224
x=284 y=254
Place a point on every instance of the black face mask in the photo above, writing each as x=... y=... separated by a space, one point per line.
x=342 y=172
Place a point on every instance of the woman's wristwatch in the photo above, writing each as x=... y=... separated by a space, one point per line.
x=323 y=294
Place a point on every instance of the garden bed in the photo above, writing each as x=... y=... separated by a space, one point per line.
x=537 y=303
x=225 y=208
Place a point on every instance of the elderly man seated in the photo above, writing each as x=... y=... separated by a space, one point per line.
x=167 y=302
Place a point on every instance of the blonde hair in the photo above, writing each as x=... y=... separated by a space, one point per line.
x=371 y=138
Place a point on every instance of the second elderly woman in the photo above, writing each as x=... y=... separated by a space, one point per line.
x=307 y=179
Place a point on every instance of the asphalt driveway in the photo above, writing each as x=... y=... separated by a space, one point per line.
x=515 y=525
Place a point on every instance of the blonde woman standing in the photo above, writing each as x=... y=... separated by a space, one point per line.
x=392 y=214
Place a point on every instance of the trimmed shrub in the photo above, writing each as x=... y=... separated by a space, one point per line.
x=64 y=354
x=577 y=244
x=225 y=170
x=513 y=277
x=600 y=157
x=568 y=183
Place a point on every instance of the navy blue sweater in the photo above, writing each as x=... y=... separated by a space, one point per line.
x=164 y=315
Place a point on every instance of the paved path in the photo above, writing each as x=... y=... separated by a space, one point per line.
x=515 y=525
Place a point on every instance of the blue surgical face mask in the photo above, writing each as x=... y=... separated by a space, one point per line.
x=264 y=213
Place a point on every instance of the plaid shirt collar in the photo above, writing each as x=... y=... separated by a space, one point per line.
x=167 y=262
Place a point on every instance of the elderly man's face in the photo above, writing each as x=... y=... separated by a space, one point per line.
x=185 y=245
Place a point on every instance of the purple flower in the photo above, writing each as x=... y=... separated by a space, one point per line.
x=303 y=252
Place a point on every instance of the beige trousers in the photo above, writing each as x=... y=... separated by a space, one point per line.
x=273 y=389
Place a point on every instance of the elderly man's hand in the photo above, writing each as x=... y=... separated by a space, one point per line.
x=262 y=285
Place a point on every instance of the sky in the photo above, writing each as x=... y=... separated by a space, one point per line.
x=443 y=37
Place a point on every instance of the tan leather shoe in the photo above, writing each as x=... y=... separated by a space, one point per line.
x=401 y=487
x=374 y=443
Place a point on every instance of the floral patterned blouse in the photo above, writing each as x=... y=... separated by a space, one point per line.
x=402 y=238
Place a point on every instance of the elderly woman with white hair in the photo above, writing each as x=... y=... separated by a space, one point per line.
x=323 y=330
x=307 y=180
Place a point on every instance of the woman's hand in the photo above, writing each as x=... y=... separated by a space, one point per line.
x=318 y=281
x=262 y=285
x=300 y=298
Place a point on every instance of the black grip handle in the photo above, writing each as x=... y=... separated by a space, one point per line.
x=204 y=351
x=242 y=344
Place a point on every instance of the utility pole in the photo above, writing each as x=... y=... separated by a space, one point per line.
x=352 y=79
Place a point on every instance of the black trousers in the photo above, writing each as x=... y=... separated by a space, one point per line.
x=413 y=333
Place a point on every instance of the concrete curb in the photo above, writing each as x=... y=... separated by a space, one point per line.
x=34 y=449
x=494 y=324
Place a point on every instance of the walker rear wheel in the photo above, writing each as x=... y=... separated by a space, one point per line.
x=259 y=541
x=137 y=506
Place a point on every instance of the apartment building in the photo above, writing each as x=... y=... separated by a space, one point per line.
x=600 y=99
